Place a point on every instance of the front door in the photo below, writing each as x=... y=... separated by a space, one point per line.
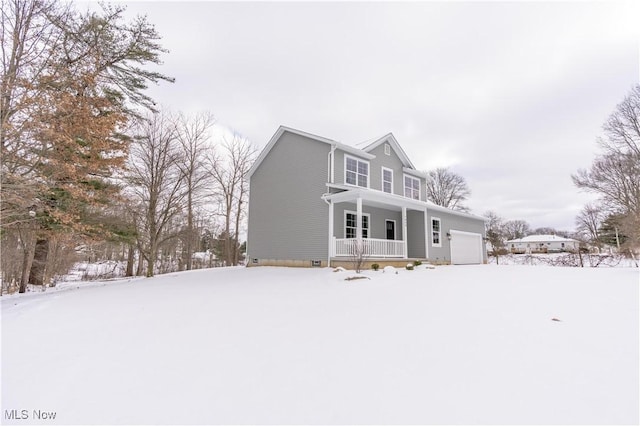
x=391 y=229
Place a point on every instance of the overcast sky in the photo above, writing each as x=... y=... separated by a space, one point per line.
x=511 y=96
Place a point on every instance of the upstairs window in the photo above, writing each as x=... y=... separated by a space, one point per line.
x=412 y=187
x=387 y=149
x=356 y=172
x=387 y=180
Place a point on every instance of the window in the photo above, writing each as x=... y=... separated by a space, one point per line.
x=350 y=222
x=356 y=172
x=387 y=180
x=387 y=149
x=435 y=232
x=411 y=187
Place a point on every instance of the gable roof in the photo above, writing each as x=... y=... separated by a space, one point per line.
x=363 y=153
x=396 y=147
x=283 y=129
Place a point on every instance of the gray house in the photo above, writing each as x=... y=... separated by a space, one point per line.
x=311 y=199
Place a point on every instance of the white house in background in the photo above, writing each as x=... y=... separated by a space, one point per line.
x=542 y=244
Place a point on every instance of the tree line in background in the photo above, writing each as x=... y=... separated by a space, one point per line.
x=91 y=165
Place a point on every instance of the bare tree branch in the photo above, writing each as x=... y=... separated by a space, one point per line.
x=447 y=189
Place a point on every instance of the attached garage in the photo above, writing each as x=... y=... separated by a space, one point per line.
x=466 y=248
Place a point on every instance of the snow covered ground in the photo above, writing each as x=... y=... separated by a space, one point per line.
x=454 y=344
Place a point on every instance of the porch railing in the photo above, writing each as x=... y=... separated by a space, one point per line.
x=371 y=247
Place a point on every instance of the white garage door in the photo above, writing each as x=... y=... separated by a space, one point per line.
x=466 y=248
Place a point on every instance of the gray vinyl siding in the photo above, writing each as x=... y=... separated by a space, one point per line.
x=448 y=222
x=288 y=220
x=393 y=162
x=377 y=226
x=339 y=166
x=415 y=234
x=390 y=162
x=423 y=185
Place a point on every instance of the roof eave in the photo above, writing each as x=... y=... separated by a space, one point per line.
x=389 y=137
x=265 y=151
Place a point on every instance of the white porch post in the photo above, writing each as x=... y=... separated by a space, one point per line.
x=404 y=231
x=359 y=219
x=331 y=237
x=427 y=234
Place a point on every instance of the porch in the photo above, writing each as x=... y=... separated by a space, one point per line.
x=376 y=226
x=368 y=247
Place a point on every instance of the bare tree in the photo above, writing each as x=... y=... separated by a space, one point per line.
x=28 y=39
x=494 y=227
x=616 y=177
x=358 y=252
x=447 y=189
x=157 y=184
x=589 y=221
x=194 y=137
x=514 y=229
x=229 y=167
x=622 y=129
x=547 y=230
x=615 y=174
x=69 y=84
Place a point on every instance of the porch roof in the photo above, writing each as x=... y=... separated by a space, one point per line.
x=376 y=198
x=391 y=201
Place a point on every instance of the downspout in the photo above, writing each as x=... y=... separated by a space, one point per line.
x=330 y=178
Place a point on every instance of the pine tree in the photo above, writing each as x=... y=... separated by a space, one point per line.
x=66 y=102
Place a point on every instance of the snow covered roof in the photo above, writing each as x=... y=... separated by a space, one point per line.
x=543 y=239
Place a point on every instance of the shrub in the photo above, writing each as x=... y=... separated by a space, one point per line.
x=375 y=266
x=409 y=267
x=417 y=262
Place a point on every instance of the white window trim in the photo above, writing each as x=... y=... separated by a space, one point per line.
x=356 y=214
x=362 y=161
x=395 y=229
x=387 y=149
x=404 y=187
x=382 y=179
x=432 y=231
